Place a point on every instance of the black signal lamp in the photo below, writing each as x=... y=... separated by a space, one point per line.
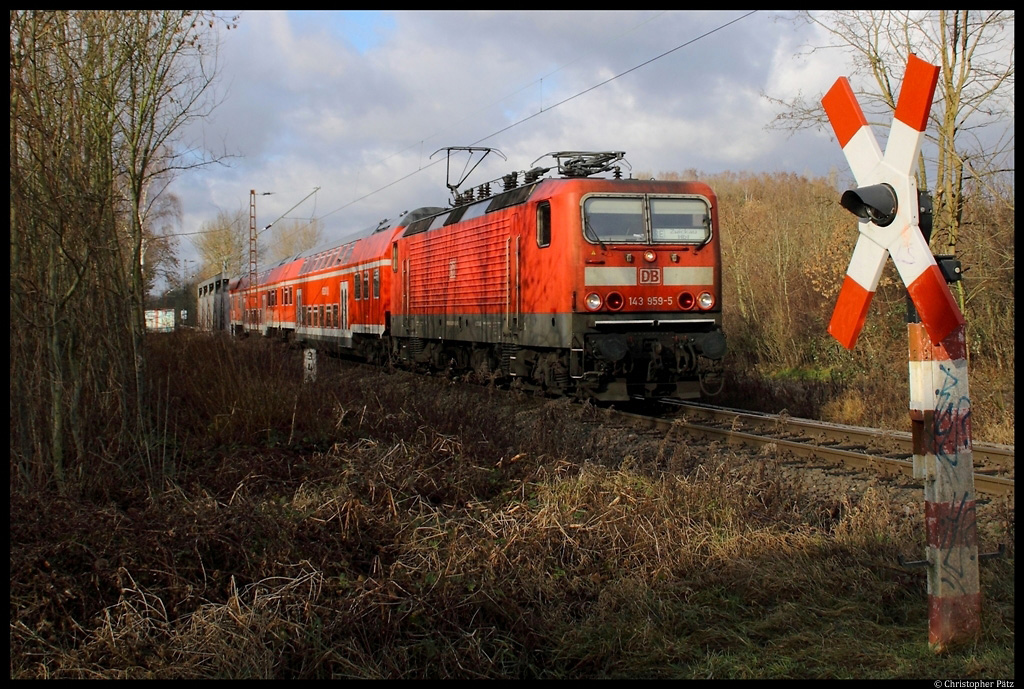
x=876 y=203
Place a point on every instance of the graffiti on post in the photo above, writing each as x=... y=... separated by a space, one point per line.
x=955 y=534
x=952 y=421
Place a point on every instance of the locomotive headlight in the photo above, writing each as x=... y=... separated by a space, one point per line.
x=705 y=300
x=649 y=256
x=593 y=301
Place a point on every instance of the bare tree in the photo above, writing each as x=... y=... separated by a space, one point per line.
x=975 y=51
x=290 y=238
x=97 y=98
x=223 y=244
x=160 y=242
x=165 y=83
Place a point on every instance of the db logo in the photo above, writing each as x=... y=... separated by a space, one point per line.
x=650 y=276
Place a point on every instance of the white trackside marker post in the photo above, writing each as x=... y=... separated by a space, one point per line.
x=309 y=365
x=887 y=203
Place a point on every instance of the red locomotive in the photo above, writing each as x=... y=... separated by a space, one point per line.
x=604 y=287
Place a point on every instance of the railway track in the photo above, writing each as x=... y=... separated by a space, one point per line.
x=855 y=448
x=886 y=452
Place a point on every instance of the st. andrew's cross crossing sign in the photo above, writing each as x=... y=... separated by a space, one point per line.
x=887 y=203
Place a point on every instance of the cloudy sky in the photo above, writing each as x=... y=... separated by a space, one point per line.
x=358 y=102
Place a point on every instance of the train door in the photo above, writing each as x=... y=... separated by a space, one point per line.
x=298 y=307
x=343 y=304
x=366 y=315
x=378 y=311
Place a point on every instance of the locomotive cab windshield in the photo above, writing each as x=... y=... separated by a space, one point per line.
x=646 y=220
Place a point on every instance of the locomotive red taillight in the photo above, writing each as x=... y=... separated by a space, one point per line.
x=593 y=301
x=706 y=300
x=686 y=301
x=614 y=301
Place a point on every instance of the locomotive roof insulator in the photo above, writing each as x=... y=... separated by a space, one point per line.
x=531 y=176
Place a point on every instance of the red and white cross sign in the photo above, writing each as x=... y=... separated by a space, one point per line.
x=901 y=238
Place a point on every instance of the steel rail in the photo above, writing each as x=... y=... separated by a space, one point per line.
x=995 y=486
x=992 y=456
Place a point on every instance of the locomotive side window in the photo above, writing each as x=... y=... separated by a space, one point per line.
x=686 y=221
x=618 y=219
x=376 y=283
x=544 y=224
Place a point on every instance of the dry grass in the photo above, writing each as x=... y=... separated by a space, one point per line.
x=417 y=529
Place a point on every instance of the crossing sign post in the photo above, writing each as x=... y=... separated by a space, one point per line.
x=888 y=206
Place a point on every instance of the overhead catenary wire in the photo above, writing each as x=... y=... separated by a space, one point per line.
x=315 y=190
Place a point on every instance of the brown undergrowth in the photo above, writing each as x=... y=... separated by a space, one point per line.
x=383 y=525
